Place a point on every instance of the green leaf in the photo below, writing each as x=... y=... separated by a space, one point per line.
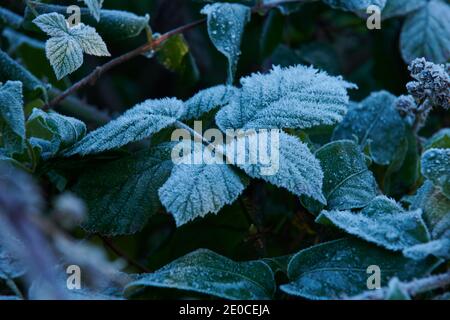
x=226 y=24
x=206 y=272
x=348 y=183
x=11 y=70
x=296 y=97
x=357 y=6
x=123 y=194
x=95 y=7
x=395 y=8
x=53 y=132
x=114 y=25
x=383 y=222
x=440 y=140
x=65 y=48
x=297 y=169
x=208 y=99
x=12 y=119
x=10 y=19
x=426 y=33
x=338 y=269
x=194 y=190
x=136 y=124
x=435 y=207
x=436 y=167
x=377 y=125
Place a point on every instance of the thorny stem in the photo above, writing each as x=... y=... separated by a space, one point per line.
x=151 y=45
x=412 y=288
x=112 y=246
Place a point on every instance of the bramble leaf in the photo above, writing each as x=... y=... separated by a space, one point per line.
x=296 y=97
x=12 y=119
x=207 y=272
x=383 y=222
x=138 y=123
x=226 y=22
x=436 y=167
x=374 y=121
x=338 y=269
x=426 y=33
x=65 y=48
x=123 y=194
x=95 y=7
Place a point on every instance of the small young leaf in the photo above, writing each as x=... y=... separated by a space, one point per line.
x=194 y=190
x=436 y=209
x=207 y=272
x=95 y=7
x=11 y=70
x=374 y=122
x=296 y=97
x=426 y=33
x=123 y=194
x=65 y=48
x=114 y=25
x=53 y=132
x=12 y=119
x=338 y=269
x=136 y=124
x=208 y=99
x=395 y=8
x=348 y=183
x=436 y=167
x=226 y=24
x=383 y=222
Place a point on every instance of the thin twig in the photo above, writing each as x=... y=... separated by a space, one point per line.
x=111 y=245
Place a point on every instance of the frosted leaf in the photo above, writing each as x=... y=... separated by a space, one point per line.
x=377 y=125
x=357 y=6
x=439 y=248
x=208 y=99
x=440 y=140
x=114 y=25
x=426 y=33
x=65 y=48
x=194 y=190
x=382 y=222
x=138 y=123
x=11 y=70
x=298 y=170
x=396 y=8
x=123 y=194
x=347 y=182
x=59 y=131
x=395 y=291
x=10 y=264
x=207 y=272
x=95 y=7
x=296 y=97
x=12 y=119
x=338 y=269
x=436 y=167
x=226 y=22
x=436 y=209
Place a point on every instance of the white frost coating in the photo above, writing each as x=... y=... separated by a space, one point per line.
x=136 y=124
x=436 y=167
x=194 y=190
x=208 y=99
x=226 y=24
x=439 y=248
x=383 y=222
x=65 y=48
x=296 y=97
x=207 y=272
x=12 y=119
x=426 y=33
